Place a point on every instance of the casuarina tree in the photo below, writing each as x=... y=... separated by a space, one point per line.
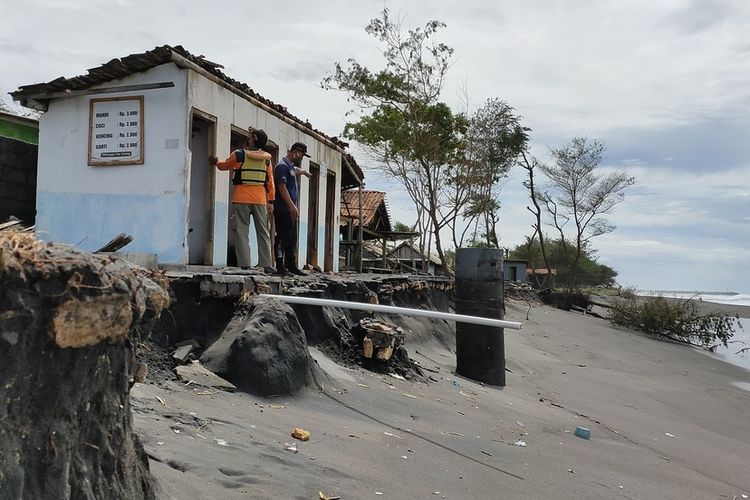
x=400 y=120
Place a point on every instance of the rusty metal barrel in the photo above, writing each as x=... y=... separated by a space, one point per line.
x=480 y=350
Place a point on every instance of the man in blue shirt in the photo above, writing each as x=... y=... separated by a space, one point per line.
x=286 y=208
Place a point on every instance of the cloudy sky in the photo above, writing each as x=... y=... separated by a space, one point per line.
x=664 y=85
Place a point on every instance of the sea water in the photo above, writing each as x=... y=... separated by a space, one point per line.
x=741 y=337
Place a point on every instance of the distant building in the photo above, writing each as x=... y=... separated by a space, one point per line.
x=19 y=139
x=540 y=277
x=408 y=253
x=124 y=148
x=514 y=269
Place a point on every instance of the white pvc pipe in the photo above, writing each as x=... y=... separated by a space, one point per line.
x=362 y=306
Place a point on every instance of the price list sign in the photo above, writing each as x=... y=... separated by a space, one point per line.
x=116 y=131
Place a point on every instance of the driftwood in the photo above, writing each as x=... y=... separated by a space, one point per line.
x=116 y=243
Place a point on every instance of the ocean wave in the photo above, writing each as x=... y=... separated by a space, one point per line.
x=731 y=298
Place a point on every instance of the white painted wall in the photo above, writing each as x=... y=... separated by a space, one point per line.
x=86 y=205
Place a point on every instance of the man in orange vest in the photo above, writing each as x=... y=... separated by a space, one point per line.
x=252 y=196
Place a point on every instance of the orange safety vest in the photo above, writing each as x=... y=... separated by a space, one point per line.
x=253 y=169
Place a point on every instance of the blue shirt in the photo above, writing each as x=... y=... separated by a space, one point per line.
x=284 y=175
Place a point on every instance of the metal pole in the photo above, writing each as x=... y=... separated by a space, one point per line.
x=363 y=306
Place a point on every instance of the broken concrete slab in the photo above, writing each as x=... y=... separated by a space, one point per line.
x=182 y=353
x=196 y=373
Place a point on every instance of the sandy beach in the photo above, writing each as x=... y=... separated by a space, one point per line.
x=666 y=421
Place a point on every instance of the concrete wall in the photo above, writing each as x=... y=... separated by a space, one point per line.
x=228 y=108
x=18 y=165
x=89 y=205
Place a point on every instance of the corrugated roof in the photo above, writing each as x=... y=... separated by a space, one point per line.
x=371 y=202
x=139 y=62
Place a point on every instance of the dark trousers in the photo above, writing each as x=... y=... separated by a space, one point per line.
x=285 y=243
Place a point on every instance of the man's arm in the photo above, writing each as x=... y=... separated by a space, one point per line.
x=288 y=200
x=230 y=163
x=298 y=171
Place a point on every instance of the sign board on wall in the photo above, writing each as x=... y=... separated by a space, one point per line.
x=116 y=131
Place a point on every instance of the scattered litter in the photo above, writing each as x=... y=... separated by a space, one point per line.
x=291 y=447
x=520 y=443
x=408 y=395
x=206 y=393
x=301 y=434
x=456 y=384
x=163 y=403
x=378 y=493
x=363 y=385
x=583 y=432
x=404 y=457
x=175 y=430
x=572 y=471
x=520 y=424
x=278 y=407
x=456 y=434
x=221 y=442
x=669 y=435
x=160 y=443
x=488 y=454
x=392 y=435
x=323 y=496
x=435 y=492
x=622 y=487
x=397 y=376
x=410 y=450
x=509 y=403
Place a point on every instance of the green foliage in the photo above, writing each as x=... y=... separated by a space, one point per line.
x=675 y=319
x=401 y=122
x=401 y=227
x=562 y=257
x=494 y=140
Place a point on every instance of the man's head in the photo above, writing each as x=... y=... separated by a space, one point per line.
x=297 y=152
x=258 y=139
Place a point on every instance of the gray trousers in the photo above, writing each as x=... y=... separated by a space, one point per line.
x=241 y=213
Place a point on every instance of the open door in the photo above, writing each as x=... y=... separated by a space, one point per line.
x=330 y=219
x=201 y=195
x=312 y=215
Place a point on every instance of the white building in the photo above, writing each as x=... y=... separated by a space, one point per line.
x=124 y=149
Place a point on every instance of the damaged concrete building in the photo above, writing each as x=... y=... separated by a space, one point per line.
x=124 y=148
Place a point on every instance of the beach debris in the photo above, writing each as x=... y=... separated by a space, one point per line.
x=291 y=447
x=392 y=435
x=455 y=383
x=278 y=407
x=397 y=376
x=520 y=443
x=301 y=434
x=409 y=395
x=195 y=373
x=404 y=457
x=670 y=435
x=176 y=430
x=221 y=442
x=435 y=492
x=163 y=403
x=323 y=496
x=486 y=453
x=520 y=424
x=378 y=492
x=583 y=432
x=573 y=471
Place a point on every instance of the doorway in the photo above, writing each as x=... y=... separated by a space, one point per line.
x=201 y=194
x=312 y=215
x=330 y=218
